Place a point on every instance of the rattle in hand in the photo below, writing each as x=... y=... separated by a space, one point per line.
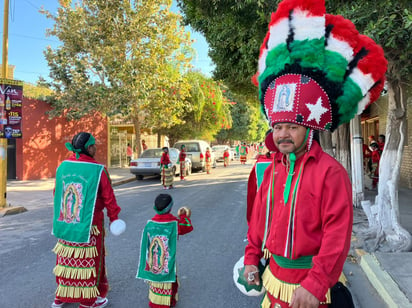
x=184 y=210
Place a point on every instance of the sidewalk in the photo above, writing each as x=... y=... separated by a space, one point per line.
x=24 y=195
x=389 y=273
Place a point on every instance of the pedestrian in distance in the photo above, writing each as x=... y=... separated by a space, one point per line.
x=208 y=160
x=375 y=159
x=243 y=152
x=302 y=216
x=82 y=192
x=157 y=264
x=381 y=142
x=182 y=162
x=166 y=169
x=371 y=141
x=226 y=158
x=261 y=149
x=129 y=153
x=144 y=145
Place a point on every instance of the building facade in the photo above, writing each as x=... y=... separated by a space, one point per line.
x=42 y=147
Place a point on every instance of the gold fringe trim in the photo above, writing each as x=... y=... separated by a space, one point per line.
x=159 y=299
x=342 y=278
x=77 y=292
x=282 y=290
x=266 y=254
x=74 y=272
x=265 y=302
x=94 y=230
x=75 y=252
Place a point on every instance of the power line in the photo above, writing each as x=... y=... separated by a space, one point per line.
x=32 y=37
x=37 y=8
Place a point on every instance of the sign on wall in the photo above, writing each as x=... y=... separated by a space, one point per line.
x=11 y=99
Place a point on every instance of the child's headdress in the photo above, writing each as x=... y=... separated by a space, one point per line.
x=315 y=69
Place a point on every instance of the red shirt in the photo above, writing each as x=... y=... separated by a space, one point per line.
x=208 y=156
x=165 y=159
x=319 y=225
x=375 y=156
x=184 y=224
x=182 y=156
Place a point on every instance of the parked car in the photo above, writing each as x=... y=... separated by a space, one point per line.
x=235 y=155
x=195 y=150
x=219 y=150
x=149 y=163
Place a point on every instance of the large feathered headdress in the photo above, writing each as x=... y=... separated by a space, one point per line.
x=315 y=69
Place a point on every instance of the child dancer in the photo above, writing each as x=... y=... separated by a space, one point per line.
x=157 y=263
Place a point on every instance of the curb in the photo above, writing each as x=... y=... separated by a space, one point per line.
x=123 y=182
x=12 y=210
x=382 y=281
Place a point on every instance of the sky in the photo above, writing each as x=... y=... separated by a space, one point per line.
x=27 y=40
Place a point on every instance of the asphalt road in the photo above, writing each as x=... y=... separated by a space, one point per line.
x=205 y=257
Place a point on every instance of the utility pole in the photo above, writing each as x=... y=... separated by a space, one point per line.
x=3 y=141
x=357 y=161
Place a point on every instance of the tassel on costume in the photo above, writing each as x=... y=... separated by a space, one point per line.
x=283 y=290
x=73 y=272
x=76 y=252
x=160 y=293
x=77 y=292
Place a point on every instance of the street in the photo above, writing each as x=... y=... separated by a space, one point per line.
x=205 y=257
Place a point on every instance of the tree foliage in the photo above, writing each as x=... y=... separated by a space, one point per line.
x=206 y=110
x=119 y=57
x=234 y=31
x=36 y=91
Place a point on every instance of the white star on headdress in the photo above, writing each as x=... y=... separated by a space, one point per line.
x=316 y=110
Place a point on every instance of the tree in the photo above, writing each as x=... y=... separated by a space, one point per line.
x=206 y=110
x=389 y=23
x=234 y=31
x=35 y=91
x=247 y=121
x=119 y=57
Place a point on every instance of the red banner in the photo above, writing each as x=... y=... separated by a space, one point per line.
x=11 y=99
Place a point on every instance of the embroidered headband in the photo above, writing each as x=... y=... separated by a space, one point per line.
x=165 y=210
x=71 y=147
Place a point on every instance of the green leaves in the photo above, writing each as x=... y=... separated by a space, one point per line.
x=119 y=57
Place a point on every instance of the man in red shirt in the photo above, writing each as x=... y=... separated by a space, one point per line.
x=301 y=220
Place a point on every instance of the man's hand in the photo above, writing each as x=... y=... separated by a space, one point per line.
x=252 y=274
x=302 y=298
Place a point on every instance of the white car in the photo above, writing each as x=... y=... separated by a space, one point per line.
x=149 y=163
x=196 y=151
x=219 y=150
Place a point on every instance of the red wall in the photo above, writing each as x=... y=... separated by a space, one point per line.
x=42 y=149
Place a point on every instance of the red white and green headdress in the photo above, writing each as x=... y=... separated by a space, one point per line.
x=315 y=69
